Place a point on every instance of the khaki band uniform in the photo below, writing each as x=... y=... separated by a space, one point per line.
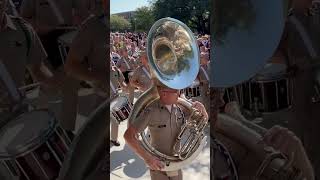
x=203 y=78
x=88 y=45
x=115 y=78
x=130 y=89
x=14 y=55
x=164 y=127
x=305 y=120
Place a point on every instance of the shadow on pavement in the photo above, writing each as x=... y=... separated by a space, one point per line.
x=133 y=166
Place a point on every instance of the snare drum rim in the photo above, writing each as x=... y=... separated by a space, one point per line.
x=111 y=108
x=270 y=80
x=37 y=142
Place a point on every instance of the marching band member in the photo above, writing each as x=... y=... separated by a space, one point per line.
x=125 y=68
x=86 y=61
x=21 y=50
x=116 y=78
x=299 y=51
x=88 y=160
x=164 y=120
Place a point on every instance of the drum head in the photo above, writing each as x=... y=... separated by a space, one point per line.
x=118 y=102
x=271 y=72
x=25 y=133
x=67 y=37
x=195 y=83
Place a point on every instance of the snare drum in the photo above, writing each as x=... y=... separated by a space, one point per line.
x=120 y=108
x=65 y=42
x=33 y=146
x=268 y=91
x=193 y=90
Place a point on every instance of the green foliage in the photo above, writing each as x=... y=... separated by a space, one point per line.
x=118 y=23
x=194 y=13
x=143 y=19
x=232 y=14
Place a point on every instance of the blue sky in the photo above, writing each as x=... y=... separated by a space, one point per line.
x=117 y=6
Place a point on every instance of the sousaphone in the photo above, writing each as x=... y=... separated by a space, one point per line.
x=173 y=58
x=245 y=35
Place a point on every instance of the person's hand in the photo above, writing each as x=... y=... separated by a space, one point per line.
x=200 y=107
x=290 y=145
x=154 y=163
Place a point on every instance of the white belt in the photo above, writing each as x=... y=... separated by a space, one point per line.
x=147 y=73
x=305 y=37
x=205 y=73
x=56 y=11
x=113 y=88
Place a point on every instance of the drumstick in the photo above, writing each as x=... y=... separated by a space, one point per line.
x=29 y=86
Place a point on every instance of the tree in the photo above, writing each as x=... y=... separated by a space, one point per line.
x=143 y=19
x=231 y=14
x=194 y=13
x=118 y=23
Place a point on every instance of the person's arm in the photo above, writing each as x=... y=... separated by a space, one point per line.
x=134 y=80
x=122 y=82
x=80 y=49
x=131 y=139
x=136 y=126
x=78 y=70
x=35 y=62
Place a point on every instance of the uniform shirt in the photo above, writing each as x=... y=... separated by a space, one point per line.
x=116 y=77
x=89 y=45
x=164 y=126
x=14 y=48
x=142 y=77
x=305 y=120
x=123 y=63
x=203 y=78
x=48 y=14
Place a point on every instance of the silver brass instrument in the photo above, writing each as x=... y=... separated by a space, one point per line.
x=240 y=49
x=173 y=58
x=272 y=163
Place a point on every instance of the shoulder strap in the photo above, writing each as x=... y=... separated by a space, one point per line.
x=304 y=35
x=27 y=34
x=9 y=83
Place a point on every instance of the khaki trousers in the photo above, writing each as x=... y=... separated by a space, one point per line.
x=114 y=128
x=161 y=175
